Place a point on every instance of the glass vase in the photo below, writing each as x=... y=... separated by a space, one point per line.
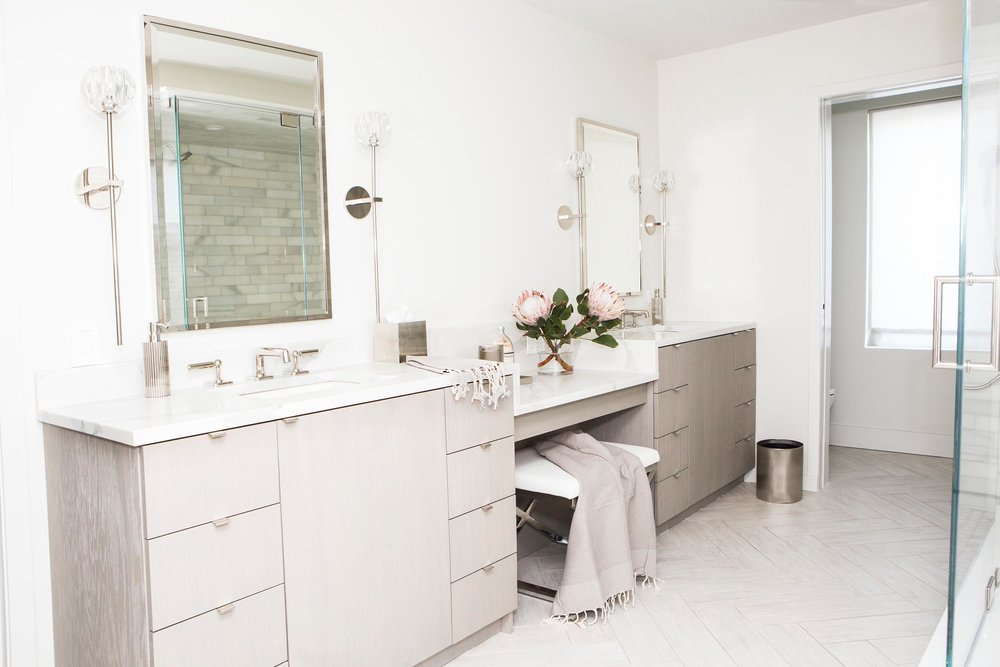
x=555 y=357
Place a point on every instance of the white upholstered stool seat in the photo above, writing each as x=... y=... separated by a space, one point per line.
x=535 y=473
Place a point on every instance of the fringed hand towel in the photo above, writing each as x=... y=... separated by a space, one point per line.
x=612 y=538
x=489 y=383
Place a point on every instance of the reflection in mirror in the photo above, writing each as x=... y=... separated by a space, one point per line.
x=613 y=241
x=237 y=146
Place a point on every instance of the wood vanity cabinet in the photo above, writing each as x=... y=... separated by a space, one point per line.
x=374 y=534
x=704 y=419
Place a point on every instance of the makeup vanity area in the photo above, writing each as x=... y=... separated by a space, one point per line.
x=353 y=515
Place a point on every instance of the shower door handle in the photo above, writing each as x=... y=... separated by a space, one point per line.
x=939 y=283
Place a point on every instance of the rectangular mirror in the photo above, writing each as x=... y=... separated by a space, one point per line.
x=613 y=225
x=237 y=154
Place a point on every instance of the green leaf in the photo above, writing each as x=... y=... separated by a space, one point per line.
x=583 y=308
x=560 y=297
x=607 y=340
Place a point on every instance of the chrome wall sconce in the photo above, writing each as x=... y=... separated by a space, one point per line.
x=372 y=130
x=107 y=90
x=579 y=164
x=663 y=182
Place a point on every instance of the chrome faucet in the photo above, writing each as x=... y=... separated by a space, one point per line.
x=265 y=352
x=635 y=315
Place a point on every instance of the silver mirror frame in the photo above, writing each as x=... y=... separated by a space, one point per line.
x=639 y=223
x=320 y=119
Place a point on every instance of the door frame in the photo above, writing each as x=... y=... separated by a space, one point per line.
x=826 y=97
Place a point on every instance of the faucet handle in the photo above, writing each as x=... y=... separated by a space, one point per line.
x=296 y=355
x=217 y=365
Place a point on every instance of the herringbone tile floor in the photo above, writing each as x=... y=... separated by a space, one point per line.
x=854 y=575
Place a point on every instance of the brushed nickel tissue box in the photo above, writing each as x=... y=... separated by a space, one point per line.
x=395 y=340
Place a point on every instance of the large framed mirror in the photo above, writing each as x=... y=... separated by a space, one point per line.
x=613 y=245
x=236 y=129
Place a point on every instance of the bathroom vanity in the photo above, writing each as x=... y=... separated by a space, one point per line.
x=374 y=532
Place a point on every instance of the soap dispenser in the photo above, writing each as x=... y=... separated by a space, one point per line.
x=508 y=345
x=155 y=364
x=656 y=307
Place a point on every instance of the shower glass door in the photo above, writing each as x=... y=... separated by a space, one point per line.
x=248 y=230
x=974 y=552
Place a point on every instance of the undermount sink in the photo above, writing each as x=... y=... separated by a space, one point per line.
x=263 y=390
x=321 y=381
x=650 y=331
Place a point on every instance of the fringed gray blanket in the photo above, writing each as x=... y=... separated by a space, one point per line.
x=612 y=540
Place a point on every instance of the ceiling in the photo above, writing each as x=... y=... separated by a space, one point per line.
x=667 y=28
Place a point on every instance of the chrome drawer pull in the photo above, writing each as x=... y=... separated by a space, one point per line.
x=677 y=474
x=290 y=420
x=217 y=435
x=676 y=389
x=487 y=508
x=226 y=608
x=219 y=523
x=488 y=568
x=486 y=445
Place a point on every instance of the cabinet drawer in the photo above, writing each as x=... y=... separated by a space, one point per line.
x=248 y=633
x=674 y=453
x=671 y=411
x=746 y=419
x=480 y=475
x=202 y=568
x=672 y=496
x=673 y=367
x=746 y=384
x=468 y=424
x=744 y=455
x=746 y=348
x=195 y=480
x=482 y=536
x=483 y=597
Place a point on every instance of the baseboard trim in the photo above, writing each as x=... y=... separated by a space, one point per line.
x=891 y=440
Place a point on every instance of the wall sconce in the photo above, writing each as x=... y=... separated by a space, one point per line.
x=372 y=130
x=663 y=182
x=108 y=90
x=579 y=164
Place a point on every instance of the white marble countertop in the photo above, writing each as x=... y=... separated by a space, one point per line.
x=142 y=421
x=549 y=391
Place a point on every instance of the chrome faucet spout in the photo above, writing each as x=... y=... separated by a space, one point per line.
x=264 y=352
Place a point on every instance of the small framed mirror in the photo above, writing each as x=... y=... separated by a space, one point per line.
x=612 y=190
x=237 y=154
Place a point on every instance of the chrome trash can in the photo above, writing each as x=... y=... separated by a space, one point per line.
x=779 y=471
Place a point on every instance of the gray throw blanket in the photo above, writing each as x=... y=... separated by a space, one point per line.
x=612 y=540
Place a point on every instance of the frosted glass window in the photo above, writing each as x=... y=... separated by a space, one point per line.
x=913 y=219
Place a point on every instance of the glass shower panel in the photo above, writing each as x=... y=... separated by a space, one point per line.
x=249 y=226
x=977 y=447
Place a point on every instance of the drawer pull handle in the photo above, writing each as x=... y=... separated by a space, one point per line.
x=216 y=435
x=677 y=474
x=486 y=445
x=488 y=568
x=226 y=608
x=676 y=347
x=290 y=420
x=676 y=389
x=219 y=523
x=487 y=508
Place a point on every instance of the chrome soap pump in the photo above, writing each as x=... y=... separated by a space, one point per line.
x=156 y=364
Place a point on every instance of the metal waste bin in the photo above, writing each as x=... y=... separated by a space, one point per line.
x=779 y=471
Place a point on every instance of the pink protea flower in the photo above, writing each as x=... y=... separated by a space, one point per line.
x=530 y=306
x=605 y=303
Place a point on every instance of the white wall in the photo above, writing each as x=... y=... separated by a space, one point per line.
x=887 y=399
x=483 y=98
x=740 y=128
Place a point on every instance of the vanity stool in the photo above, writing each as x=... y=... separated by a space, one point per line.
x=536 y=478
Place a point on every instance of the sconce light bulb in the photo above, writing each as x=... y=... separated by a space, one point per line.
x=580 y=164
x=107 y=89
x=372 y=128
x=664 y=181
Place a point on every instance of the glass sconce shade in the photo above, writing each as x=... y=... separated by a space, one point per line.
x=580 y=164
x=107 y=89
x=372 y=128
x=634 y=184
x=664 y=181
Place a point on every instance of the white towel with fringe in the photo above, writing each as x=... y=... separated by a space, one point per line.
x=612 y=537
x=489 y=383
